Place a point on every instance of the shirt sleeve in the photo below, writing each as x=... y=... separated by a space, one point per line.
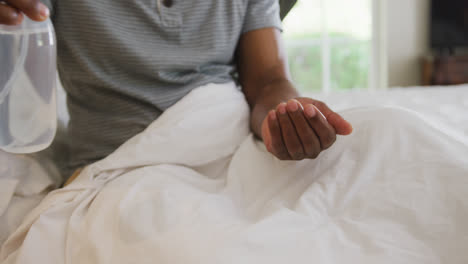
x=262 y=14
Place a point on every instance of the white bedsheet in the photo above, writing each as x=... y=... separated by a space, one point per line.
x=24 y=181
x=195 y=187
x=447 y=105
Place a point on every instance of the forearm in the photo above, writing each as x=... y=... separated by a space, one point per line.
x=268 y=97
x=263 y=73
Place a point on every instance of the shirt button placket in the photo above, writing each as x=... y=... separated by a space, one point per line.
x=170 y=15
x=167 y=3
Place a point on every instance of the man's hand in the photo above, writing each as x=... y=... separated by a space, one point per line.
x=298 y=129
x=11 y=11
x=301 y=129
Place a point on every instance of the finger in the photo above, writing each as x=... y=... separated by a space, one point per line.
x=34 y=9
x=9 y=15
x=307 y=136
x=290 y=137
x=342 y=127
x=276 y=147
x=320 y=125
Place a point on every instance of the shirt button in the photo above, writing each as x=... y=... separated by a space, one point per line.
x=167 y=3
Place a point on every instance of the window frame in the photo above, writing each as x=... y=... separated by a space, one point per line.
x=378 y=66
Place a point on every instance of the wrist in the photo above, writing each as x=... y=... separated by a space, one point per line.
x=273 y=94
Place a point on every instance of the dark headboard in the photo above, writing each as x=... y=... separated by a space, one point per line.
x=285 y=7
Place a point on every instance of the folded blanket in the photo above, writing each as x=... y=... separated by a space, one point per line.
x=196 y=187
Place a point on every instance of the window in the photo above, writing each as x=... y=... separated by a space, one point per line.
x=334 y=44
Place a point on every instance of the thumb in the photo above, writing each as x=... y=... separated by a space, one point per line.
x=342 y=127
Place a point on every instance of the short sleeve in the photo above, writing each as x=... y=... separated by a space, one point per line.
x=262 y=14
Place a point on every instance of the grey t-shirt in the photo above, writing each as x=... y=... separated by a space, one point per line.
x=123 y=62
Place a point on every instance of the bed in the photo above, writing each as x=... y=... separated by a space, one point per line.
x=445 y=104
x=245 y=221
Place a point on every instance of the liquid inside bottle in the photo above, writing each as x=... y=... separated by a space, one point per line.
x=28 y=117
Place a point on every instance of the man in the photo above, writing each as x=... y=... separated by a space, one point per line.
x=122 y=63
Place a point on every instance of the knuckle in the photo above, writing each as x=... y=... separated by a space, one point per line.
x=298 y=156
x=283 y=156
x=314 y=154
x=297 y=153
x=328 y=141
x=276 y=147
x=279 y=151
x=310 y=150
x=320 y=104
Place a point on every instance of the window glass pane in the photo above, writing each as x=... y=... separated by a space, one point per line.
x=304 y=18
x=302 y=31
x=305 y=63
x=351 y=17
x=348 y=27
x=350 y=64
x=349 y=24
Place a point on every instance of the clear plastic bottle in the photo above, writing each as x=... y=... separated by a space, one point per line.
x=28 y=115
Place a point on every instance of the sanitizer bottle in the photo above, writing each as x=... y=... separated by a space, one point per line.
x=28 y=115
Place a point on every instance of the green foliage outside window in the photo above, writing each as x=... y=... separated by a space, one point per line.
x=349 y=62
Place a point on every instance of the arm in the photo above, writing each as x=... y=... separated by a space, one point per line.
x=298 y=129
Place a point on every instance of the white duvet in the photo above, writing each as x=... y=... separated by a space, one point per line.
x=196 y=187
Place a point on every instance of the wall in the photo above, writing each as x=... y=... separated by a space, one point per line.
x=408 y=40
